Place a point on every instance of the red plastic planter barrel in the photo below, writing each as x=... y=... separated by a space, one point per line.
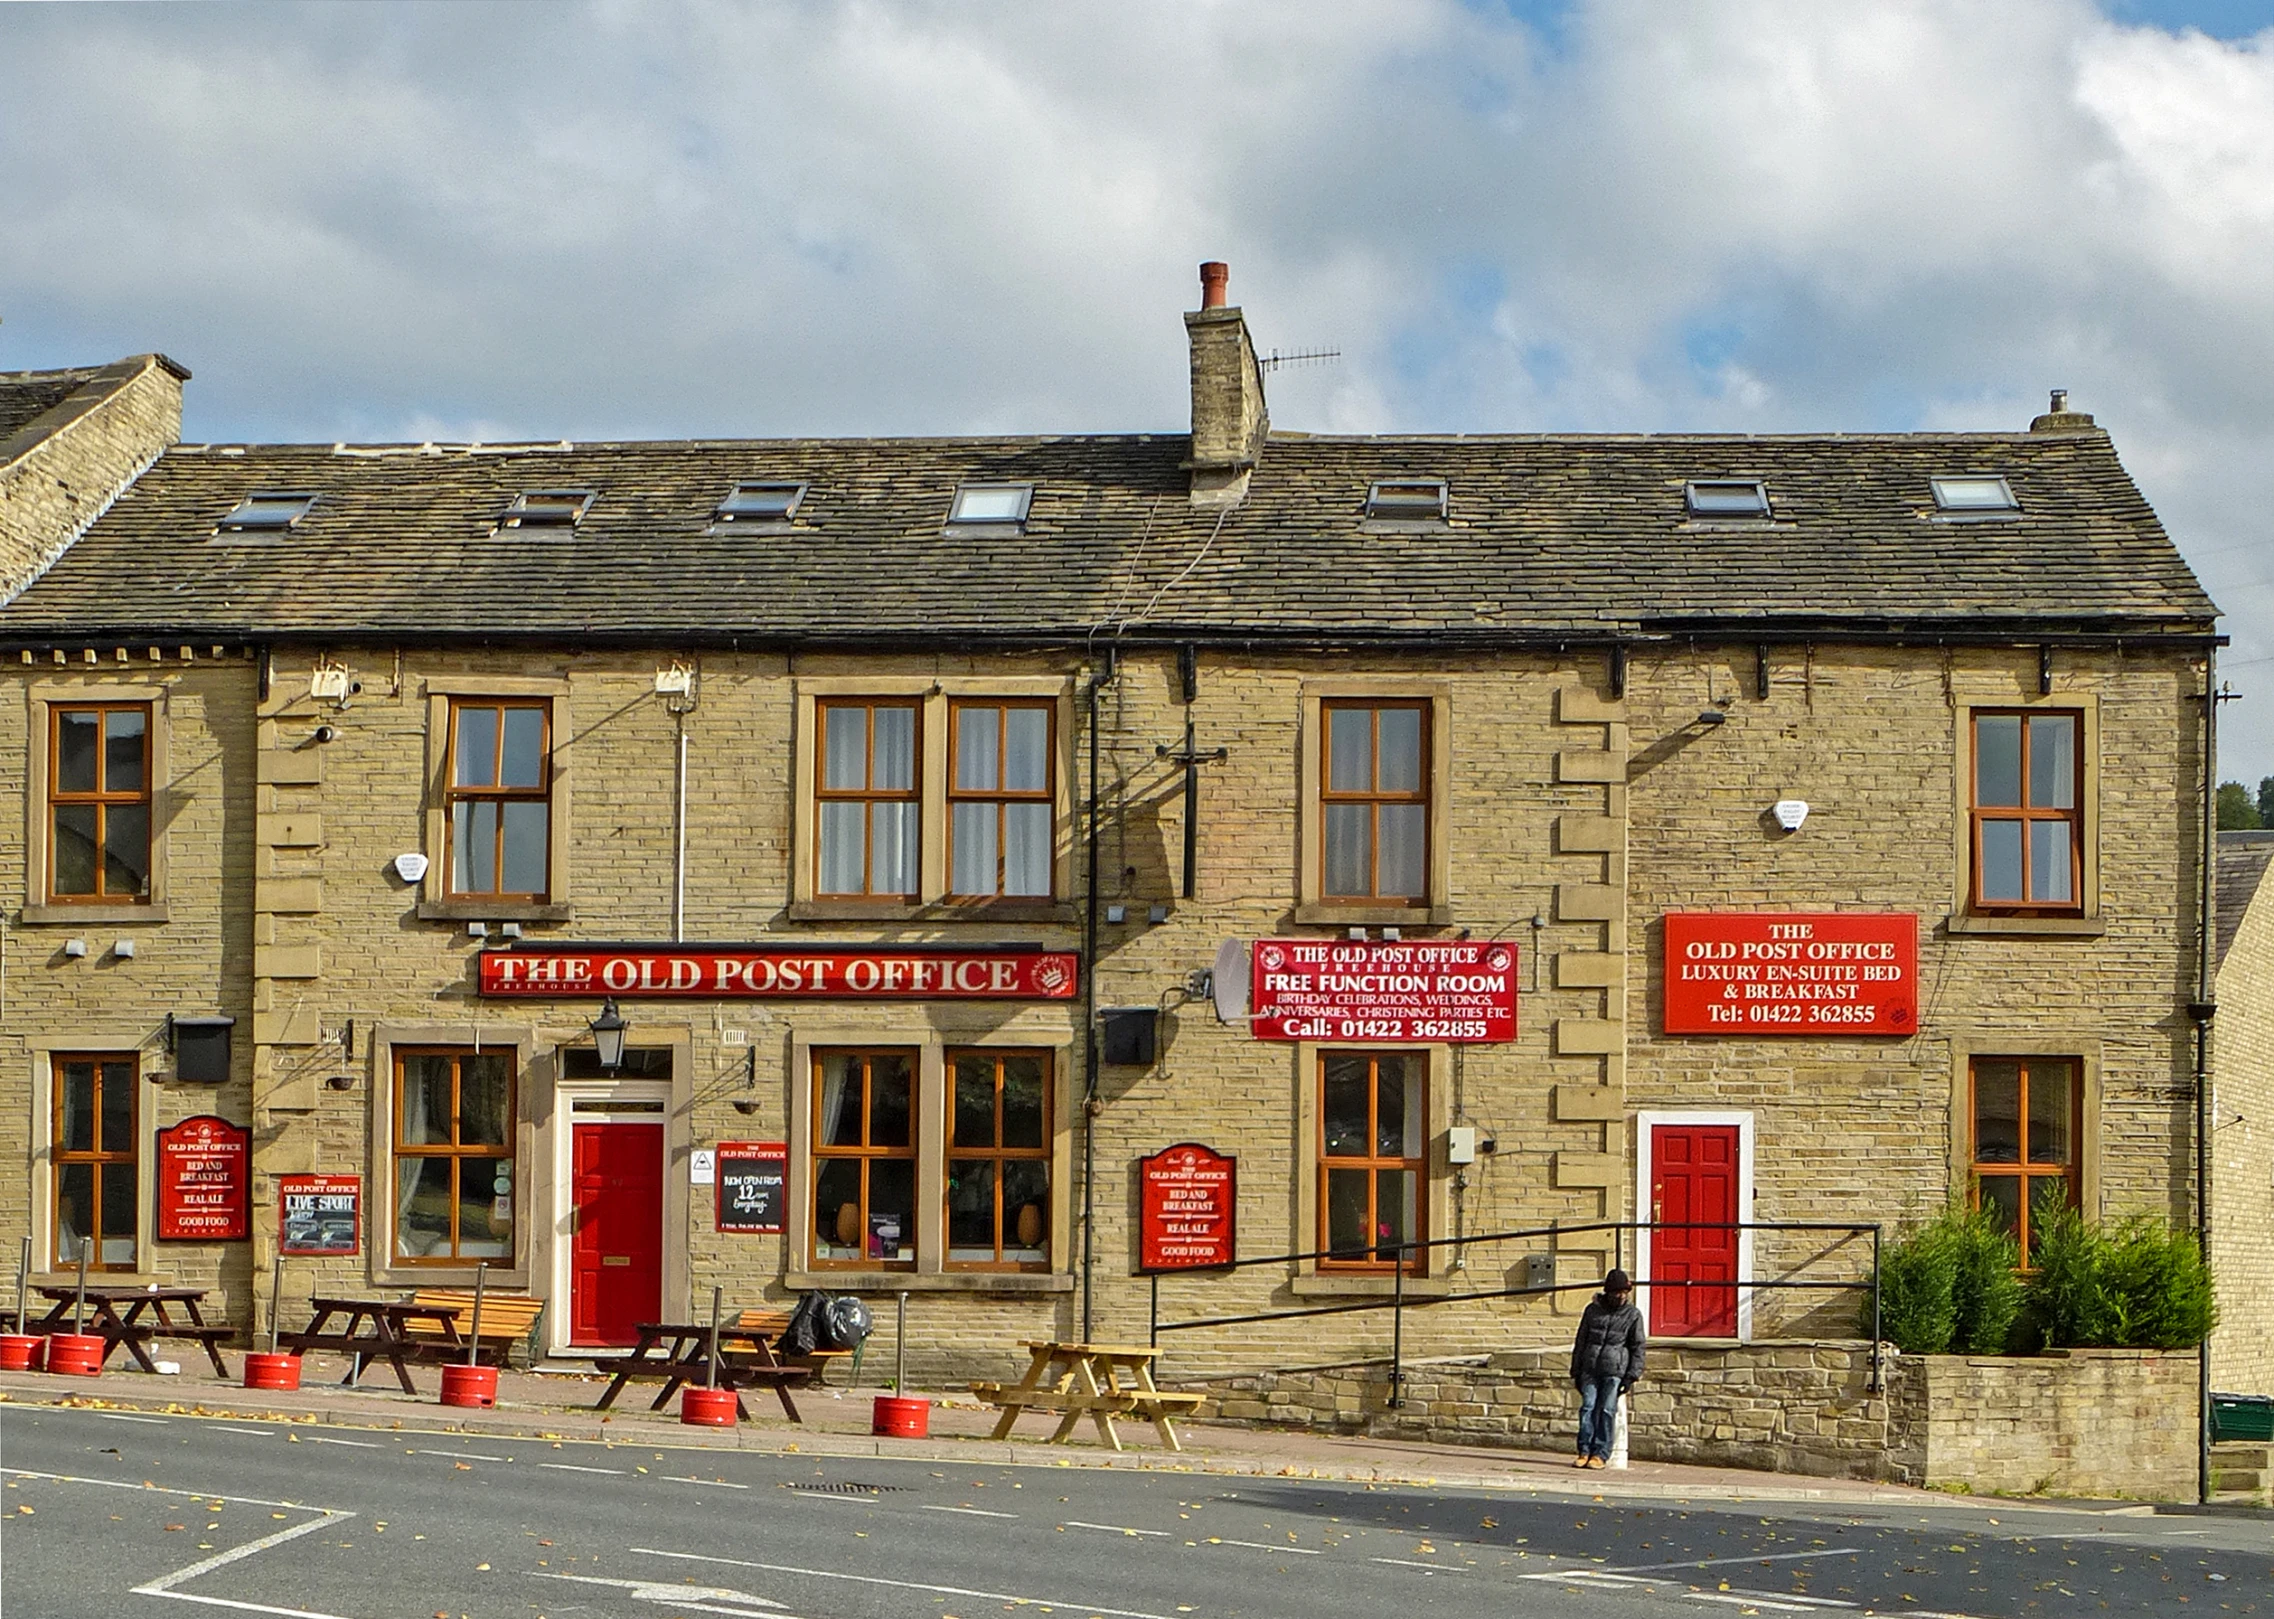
x=469 y=1385
x=272 y=1371
x=707 y=1408
x=75 y=1354
x=901 y=1418
x=21 y=1352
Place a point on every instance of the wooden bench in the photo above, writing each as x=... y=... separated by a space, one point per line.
x=1098 y=1381
x=769 y=1325
x=507 y=1320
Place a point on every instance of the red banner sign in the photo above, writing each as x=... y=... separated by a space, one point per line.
x=1188 y=1198
x=1329 y=989
x=772 y=972
x=205 y=1181
x=1791 y=972
x=320 y=1214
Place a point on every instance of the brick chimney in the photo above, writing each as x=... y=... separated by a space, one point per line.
x=2060 y=418
x=1229 y=421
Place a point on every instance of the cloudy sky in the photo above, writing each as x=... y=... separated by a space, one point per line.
x=622 y=219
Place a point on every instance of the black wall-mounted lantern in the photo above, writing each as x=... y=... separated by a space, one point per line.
x=200 y=1047
x=608 y=1031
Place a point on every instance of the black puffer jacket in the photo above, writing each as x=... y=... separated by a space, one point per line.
x=1611 y=1341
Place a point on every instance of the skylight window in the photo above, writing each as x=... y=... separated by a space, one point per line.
x=1411 y=498
x=991 y=503
x=1727 y=497
x=548 y=508
x=268 y=509
x=761 y=503
x=1974 y=493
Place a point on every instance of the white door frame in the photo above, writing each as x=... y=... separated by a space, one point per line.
x=568 y=1093
x=1645 y=1122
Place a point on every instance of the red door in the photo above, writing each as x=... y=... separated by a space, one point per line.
x=1693 y=1171
x=616 y=1258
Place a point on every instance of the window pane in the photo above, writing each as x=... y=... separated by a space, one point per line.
x=974 y=1102
x=837 y=1209
x=118 y=1107
x=78 y=1124
x=116 y=1246
x=2049 y=1112
x=1997 y=1112
x=1350 y=750
x=2001 y=861
x=1343 y=1107
x=838 y=1121
x=485 y=1208
x=971 y=1209
x=1997 y=760
x=422 y=1207
x=892 y=1209
x=2049 y=863
x=1391 y=1109
x=1026 y=1185
x=895 y=750
x=1026 y=749
x=527 y=826
x=426 y=1100
x=1026 y=849
x=485 y=1100
x=977 y=737
x=1023 y=1079
x=1393 y=1211
x=2053 y=761
x=473 y=847
x=894 y=859
x=892 y=1112
x=74 y=1209
x=1405 y=833
x=2001 y=1195
x=1348 y=849
x=126 y=849
x=843 y=826
x=1401 y=750
x=74 y=849
x=75 y=745
x=844 y=748
x=973 y=837
x=1347 y=1219
x=524 y=764
x=477 y=747
x=123 y=730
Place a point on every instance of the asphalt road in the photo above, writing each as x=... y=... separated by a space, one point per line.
x=106 y=1514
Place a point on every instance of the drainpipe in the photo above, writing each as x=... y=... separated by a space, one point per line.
x=2202 y=1010
x=1097 y=681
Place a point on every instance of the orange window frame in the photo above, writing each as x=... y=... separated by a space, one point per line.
x=102 y=799
x=454 y=1151
x=2026 y=813
x=455 y=795
x=109 y=1067
x=1416 y=1069
x=867 y=795
x=996 y=1153
x=1374 y=798
x=999 y=796
x=866 y=1154
x=2068 y=1173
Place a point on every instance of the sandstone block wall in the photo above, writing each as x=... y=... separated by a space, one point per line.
x=2242 y=1156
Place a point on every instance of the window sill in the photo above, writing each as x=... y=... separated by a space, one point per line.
x=94 y=915
x=1369 y=1287
x=998 y=911
x=1313 y=914
x=2051 y=927
x=460 y=910
x=876 y=1281
x=400 y=1274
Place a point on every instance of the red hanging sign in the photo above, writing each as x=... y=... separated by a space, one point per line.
x=1188 y=1198
x=1791 y=972
x=205 y=1181
x=1331 y=989
x=775 y=972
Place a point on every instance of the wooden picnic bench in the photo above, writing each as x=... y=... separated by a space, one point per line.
x=769 y=1325
x=1098 y=1381
x=507 y=1320
x=678 y=1353
x=372 y=1329
x=146 y=1315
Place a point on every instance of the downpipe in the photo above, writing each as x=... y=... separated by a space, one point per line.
x=1099 y=679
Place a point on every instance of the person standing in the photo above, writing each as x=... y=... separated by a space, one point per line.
x=1606 y=1359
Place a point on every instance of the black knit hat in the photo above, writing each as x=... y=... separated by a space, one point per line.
x=1618 y=1282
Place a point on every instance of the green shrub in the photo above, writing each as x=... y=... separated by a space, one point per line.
x=1916 y=1277
x=2139 y=1285
x=1950 y=1284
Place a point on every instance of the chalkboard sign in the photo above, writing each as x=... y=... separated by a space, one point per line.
x=754 y=1178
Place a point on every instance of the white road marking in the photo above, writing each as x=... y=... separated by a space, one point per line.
x=1724 y=1562
x=1118 y=1529
x=160 y=1489
x=220 y=1427
x=571 y=1467
x=906 y=1585
x=836 y=1500
x=359 y=1444
x=714 y=1483
x=460 y=1455
x=1261 y=1546
x=120 y=1416
x=245 y=1607
x=1407 y=1562
x=968 y=1512
x=1746 y=1601
x=1589 y=1576
x=690 y=1598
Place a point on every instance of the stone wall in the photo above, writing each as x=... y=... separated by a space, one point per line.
x=2242 y=1154
x=2096 y=1422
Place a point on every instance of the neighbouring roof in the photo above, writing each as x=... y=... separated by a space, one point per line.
x=2243 y=859
x=1544 y=537
x=28 y=394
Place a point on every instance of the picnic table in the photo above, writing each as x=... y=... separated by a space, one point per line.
x=680 y=1353
x=134 y=1315
x=371 y=1329
x=1098 y=1381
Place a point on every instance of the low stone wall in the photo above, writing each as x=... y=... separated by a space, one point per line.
x=2102 y=1422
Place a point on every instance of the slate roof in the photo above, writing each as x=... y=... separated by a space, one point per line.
x=28 y=394
x=2243 y=859
x=1546 y=537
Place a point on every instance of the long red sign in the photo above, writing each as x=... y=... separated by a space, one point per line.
x=1328 y=989
x=770 y=972
x=1188 y=1199
x=204 y=1181
x=1791 y=972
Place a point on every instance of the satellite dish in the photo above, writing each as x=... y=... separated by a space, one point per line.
x=1229 y=980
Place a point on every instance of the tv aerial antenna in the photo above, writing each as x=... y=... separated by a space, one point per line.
x=1277 y=360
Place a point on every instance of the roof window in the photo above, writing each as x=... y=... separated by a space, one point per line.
x=991 y=503
x=1422 y=498
x=548 y=508
x=1727 y=497
x=761 y=502
x=1974 y=492
x=268 y=509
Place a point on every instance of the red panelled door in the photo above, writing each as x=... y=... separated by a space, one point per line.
x=1693 y=1172
x=616 y=1257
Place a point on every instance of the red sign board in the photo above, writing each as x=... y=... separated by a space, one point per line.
x=775 y=972
x=1329 y=989
x=204 y=1181
x=1791 y=972
x=321 y=1214
x=1188 y=1198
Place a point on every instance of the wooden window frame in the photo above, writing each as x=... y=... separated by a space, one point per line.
x=2070 y=1173
x=454 y=795
x=998 y=1155
x=819 y=1155
x=2026 y=814
x=452 y=1152
x=99 y=1158
x=102 y=799
x=867 y=796
x=1375 y=797
x=1000 y=796
x=1417 y=1068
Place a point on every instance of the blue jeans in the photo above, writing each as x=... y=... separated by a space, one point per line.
x=1598 y=1415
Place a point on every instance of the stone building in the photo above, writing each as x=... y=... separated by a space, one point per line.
x=2242 y=1116
x=1699 y=831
